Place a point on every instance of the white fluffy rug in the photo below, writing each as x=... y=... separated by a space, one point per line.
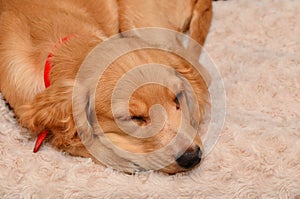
x=256 y=45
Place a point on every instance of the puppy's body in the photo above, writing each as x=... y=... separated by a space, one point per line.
x=30 y=30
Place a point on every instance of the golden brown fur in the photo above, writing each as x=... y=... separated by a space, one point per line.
x=29 y=29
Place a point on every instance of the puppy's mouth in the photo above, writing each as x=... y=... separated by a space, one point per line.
x=139 y=168
x=190 y=159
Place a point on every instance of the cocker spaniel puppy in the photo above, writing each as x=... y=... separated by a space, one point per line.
x=44 y=43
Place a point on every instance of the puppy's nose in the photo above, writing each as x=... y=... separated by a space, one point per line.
x=190 y=158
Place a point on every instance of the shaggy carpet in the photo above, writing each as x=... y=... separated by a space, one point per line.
x=256 y=46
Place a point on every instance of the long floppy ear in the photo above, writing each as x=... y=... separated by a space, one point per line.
x=195 y=86
x=201 y=20
x=49 y=110
x=52 y=110
x=83 y=113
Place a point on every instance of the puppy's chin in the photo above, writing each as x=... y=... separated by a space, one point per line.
x=130 y=168
x=129 y=162
x=175 y=168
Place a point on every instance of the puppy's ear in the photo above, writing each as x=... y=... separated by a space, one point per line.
x=84 y=113
x=195 y=89
x=49 y=110
x=201 y=20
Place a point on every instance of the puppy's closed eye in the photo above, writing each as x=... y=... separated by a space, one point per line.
x=136 y=118
x=139 y=119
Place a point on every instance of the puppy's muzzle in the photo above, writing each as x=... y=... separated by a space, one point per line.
x=190 y=158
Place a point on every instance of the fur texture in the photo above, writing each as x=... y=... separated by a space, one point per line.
x=29 y=31
x=255 y=45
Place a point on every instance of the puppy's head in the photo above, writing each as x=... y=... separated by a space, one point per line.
x=145 y=112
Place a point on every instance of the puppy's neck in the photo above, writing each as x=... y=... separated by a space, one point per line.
x=69 y=55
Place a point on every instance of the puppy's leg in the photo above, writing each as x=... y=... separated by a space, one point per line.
x=174 y=14
x=201 y=20
x=178 y=15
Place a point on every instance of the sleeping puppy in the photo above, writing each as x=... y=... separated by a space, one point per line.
x=62 y=34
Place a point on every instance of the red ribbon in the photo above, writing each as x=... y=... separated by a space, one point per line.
x=48 y=65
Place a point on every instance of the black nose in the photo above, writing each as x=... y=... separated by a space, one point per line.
x=190 y=158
